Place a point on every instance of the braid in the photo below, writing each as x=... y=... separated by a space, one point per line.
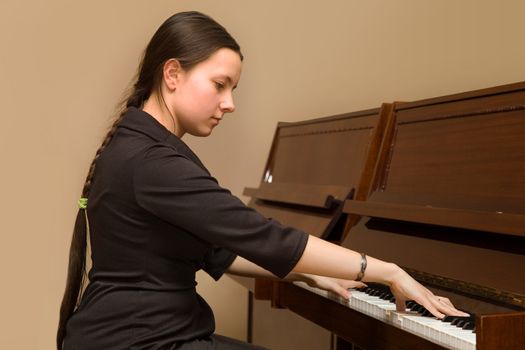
x=107 y=139
x=135 y=99
x=76 y=275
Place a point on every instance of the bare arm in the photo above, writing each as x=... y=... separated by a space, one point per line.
x=324 y=258
x=327 y=259
x=243 y=267
x=341 y=266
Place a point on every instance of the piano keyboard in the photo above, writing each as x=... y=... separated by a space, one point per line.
x=437 y=331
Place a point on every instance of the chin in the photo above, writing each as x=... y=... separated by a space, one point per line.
x=201 y=133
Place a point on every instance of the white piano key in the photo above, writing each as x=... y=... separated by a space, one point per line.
x=429 y=328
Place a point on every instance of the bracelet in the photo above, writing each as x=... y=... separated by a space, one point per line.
x=361 y=273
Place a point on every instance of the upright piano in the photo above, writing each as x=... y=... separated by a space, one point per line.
x=436 y=186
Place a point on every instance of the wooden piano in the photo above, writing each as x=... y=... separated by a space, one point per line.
x=436 y=186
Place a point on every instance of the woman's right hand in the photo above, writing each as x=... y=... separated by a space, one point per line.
x=404 y=288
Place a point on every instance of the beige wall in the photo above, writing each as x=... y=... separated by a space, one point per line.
x=64 y=64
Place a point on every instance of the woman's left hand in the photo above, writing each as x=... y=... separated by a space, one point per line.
x=334 y=285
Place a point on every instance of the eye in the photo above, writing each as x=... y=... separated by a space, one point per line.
x=219 y=85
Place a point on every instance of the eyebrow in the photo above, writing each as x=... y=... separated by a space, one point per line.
x=227 y=77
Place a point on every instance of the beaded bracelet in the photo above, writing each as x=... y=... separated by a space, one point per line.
x=361 y=273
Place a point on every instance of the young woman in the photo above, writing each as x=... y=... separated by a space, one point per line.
x=155 y=215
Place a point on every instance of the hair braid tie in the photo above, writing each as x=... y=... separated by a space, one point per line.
x=82 y=203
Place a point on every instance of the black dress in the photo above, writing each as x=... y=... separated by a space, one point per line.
x=156 y=217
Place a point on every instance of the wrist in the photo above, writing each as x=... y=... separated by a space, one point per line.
x=364 y=264
x=299 y=277
x=392 y=273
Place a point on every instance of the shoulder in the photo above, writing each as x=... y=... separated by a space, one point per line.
x=164 y=163
x=161 y=150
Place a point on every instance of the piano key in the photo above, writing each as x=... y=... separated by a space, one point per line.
x=431 y=328
x=410 y=303
x=434 y=330
x=417 y=308
x=455 y=319
x=425 y=312
x=449 y=318
x=469 y=326
x=385 y=294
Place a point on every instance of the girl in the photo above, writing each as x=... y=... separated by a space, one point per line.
x=156 y=216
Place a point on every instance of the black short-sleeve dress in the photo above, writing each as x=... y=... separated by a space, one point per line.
x=156 y=217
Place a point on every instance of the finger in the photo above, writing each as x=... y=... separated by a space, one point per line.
x=341 y=291
x=349 y=290
x=451 y=310
x=433 y=310
x=444 y=305
x=400 y=304
x=353 y=284
x=433 y=305
x=446 y=301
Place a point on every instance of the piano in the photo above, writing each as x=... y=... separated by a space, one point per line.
x=436 y=186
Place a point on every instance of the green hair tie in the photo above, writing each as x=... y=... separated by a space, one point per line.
x=82 y=203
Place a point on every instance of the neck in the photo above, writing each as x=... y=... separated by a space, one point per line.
x=156 y=106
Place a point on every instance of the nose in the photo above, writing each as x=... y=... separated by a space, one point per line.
x=227 y=105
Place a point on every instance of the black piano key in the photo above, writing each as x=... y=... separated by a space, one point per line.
x=410 y=303
x=468 y=325
x=460 y=321
x=425 y=312
x=414 y=307
x=417 y=308
x=457 y=318
x=455 y=321
x=376 y=293
x=385 y=296
x=448 y=318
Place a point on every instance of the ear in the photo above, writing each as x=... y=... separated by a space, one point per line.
x=171 y=73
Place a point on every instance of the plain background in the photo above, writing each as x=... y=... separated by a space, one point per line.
x=65 y=64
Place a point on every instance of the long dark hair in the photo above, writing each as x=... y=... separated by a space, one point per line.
x=189 y=37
